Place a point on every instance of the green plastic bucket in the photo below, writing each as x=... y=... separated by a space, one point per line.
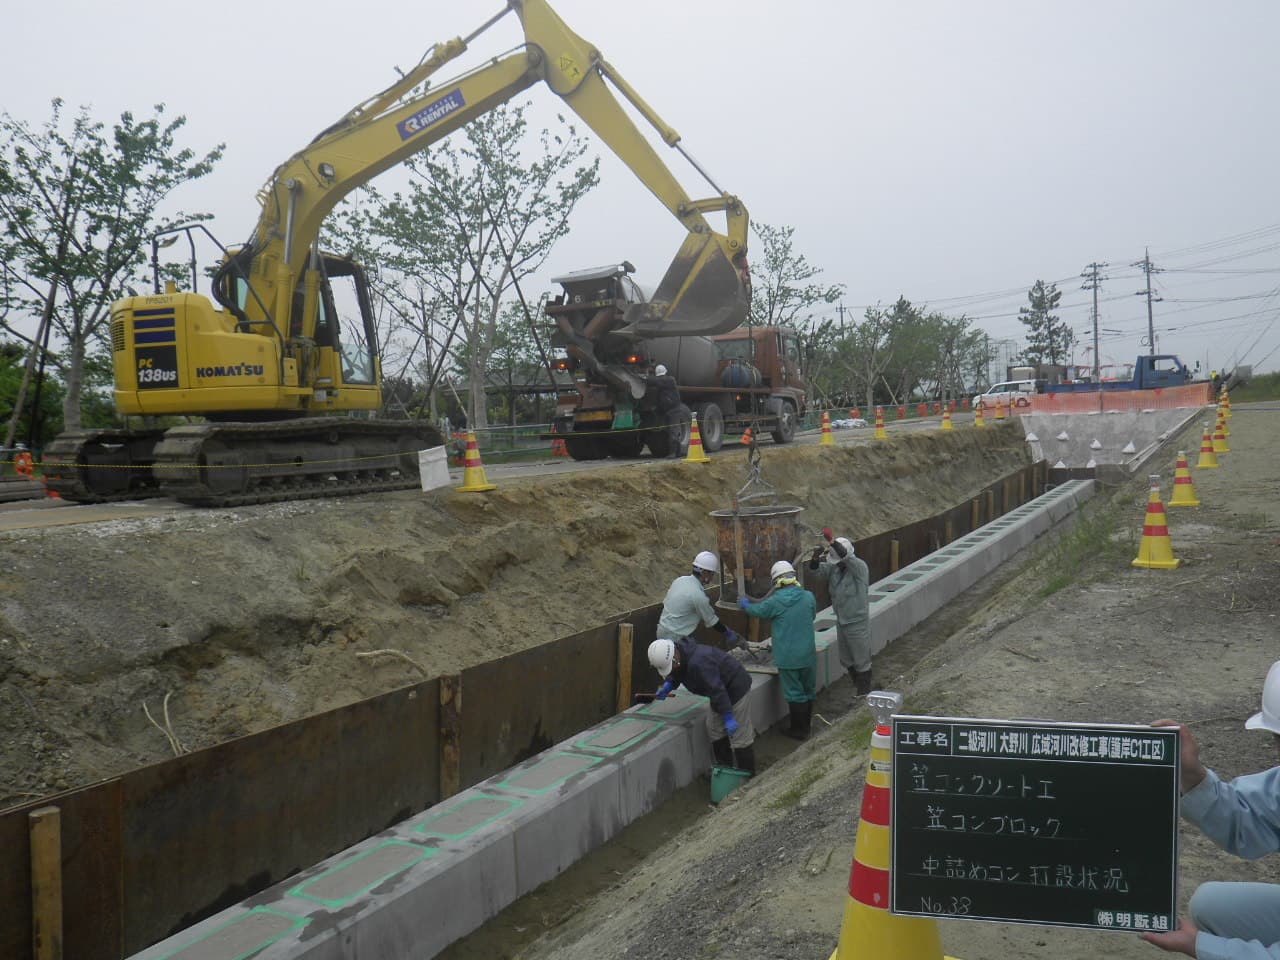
x=725 y=780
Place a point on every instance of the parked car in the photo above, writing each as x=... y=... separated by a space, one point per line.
x=1014 y=393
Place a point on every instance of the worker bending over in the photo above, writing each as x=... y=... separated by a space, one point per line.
x=847 y=578
x=686 y=603
x=714 y=674
x=791 y=608
x=1232 y=921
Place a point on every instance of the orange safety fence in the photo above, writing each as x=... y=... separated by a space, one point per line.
x=1163 y=398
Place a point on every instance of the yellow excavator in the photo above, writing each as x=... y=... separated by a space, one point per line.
x=275 y=371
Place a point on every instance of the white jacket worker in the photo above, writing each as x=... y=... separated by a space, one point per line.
x=686 y=604
x=847 y=578
x=1232 y=921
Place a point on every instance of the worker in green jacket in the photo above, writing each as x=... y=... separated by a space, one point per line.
x=791 y=608
x=847 y=578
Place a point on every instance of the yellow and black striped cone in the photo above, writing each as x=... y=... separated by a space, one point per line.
x=696 y=453
x=1184 y=488
x=880 y=431
x=869 y=931
x=1208 y=459
x=1156 y=550
x=946 y=419
x=473 y=478
x=828 y=438
x=1220 y=437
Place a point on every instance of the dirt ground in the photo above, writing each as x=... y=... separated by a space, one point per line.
x=1067 y=631
x=249 y=618
x=253 y=617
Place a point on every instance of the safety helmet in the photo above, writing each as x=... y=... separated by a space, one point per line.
x=662 y=654
x=1268 y=718
x=660 y=370
x=781 y=569
x=707 y=562
x=848 y=549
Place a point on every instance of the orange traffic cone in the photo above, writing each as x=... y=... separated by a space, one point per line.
x=1156 y=549
x=747 y=437
x=558 y=448
x=855 y=413
x=946 y=419
x=869 y=931
x=977 y=415
x=1184 y=489
x=473 y=478
x=1219 y=437
x=1000 y=414
x=828 y=438
x=696 y=454
x=1208 y=459
x=880 y=431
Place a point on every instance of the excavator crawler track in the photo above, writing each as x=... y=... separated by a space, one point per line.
x=100 y=466
x=231 y=464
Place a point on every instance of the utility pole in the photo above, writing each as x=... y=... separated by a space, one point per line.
x=1148 y=269
x=1092 y=281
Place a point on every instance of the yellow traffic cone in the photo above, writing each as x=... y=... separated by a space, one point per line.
x=473 y=478
x=977 y=416
x=869 y=931
x=880 y=431
x=1184 y=489
x=1226 y=402
x=1156 y=549
x=1000 y=414
x=946 y=419
x=1219 y=437
x=696 y=454
x=828 y=438
x=1208 y=459
x=1222 y=420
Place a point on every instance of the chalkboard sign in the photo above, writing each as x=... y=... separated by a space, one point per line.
x=1049 y=823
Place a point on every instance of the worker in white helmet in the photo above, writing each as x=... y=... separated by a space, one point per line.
x=709 y=672
x=1232 y=921
x=847 y=578
x=677 y=416
x=686 y=603
x=791 y=608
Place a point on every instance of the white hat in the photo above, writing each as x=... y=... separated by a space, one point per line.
x=1268 y=718
x=662 y=653
x=660 y=370
x=848 y=549
x=707 y=562
x=781 y=569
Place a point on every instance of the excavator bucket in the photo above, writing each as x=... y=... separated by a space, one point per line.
x=701 y=295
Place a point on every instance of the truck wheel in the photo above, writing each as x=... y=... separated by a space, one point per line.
x=710 y=426
x=625 y=446
x=784 y=429
x=584 y=448
x=659 y=442
x=1022 y=402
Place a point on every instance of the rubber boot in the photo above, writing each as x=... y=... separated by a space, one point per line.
x=799 y=728
x=806 y=719
x=744 y=758
x=861 y=682
x=722 y=752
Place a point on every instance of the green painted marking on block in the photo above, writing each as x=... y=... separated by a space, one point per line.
x=619 y=735
x=460 y=821
x=674 y=707
x=239 y=938
x=352 y=878
x=550 y=772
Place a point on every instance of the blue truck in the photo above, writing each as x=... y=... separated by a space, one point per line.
x=1149 y=373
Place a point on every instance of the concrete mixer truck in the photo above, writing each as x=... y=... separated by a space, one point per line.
x=747 y=376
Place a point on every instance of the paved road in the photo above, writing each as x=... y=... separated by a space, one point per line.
x=45 y=513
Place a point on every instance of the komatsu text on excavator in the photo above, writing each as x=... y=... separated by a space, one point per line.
x=275 y=371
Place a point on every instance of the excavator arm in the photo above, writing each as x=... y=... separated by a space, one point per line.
x=705 y=290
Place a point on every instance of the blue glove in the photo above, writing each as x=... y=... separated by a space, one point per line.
x=744 y=601
x=730 y=724
x=733 y=638
x=664 y=691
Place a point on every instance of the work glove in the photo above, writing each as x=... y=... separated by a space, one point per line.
x=744 y=601
x=664 y=691
x=730 y=724
x=827 y=534
x=734 y=639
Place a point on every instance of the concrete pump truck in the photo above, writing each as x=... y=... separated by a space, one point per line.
x=275 y=369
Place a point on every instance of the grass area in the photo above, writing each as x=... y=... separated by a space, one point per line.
x=811 y=774
x=1264 y=387
x=1090 y=549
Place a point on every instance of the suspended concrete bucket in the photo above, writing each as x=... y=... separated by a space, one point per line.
x=750 y=540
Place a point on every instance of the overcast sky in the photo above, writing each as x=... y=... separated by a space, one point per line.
x=951 y=152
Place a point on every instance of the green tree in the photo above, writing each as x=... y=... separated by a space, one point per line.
x=78 y=203
x=478 y=216
x=784 y=289
x=1049 y=339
